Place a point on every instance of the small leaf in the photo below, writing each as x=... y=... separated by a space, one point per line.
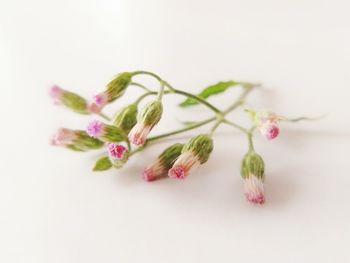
x=102 y=164
x=209 y=91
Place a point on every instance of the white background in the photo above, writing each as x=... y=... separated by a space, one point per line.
x=54 y=209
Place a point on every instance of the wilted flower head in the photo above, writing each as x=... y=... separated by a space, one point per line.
x=252 y=171
x=75 y=139
x=148 y=117
x=69 y=99
x=163 y=163
x=105 y=132
x=114 y=90
x=195 y=152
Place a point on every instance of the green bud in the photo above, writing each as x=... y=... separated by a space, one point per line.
x=112 y=134
x=170 y=154
x=119 y=163
x=201 y=145
x=125 y=118
x=74 y=102
x=117 y=86
x=252 y=163
x=84 y=141
x=102 y=164
x=151 y=113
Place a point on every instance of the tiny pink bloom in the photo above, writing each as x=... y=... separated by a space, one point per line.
x=183 y=165
x=100 y=99
x=254 y=189
x=154 y=171
x=138 y=133
x=116 y=151
x=63 y=137
x=95 y=128
x=55 y=93
x=269 y=130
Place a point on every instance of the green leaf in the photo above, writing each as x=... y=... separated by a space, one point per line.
x=102 y=164
x=209 y=91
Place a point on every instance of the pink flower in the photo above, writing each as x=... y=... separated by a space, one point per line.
x=138 y=133
x=95 y=128
x=183 y=165
x=55 y=93
x=154 y=171
x=269 y=130
x=100 y=99
x=63 y=137
x=116 y=151
x=254 y=189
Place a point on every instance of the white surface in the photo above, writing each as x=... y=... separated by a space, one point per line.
x=54 y=209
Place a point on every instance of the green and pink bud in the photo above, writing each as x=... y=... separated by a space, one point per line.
x=69 y=99
x=149 y=116
x=253 y=173
x=163 y=163
x=267 y=123
x=118 y=154
x=105 y=132
x=75 y=139
x=126 y=118
x=114 y=90
x=194 y=153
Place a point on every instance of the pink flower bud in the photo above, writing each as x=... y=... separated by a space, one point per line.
x=183 y=165
x=154 y=171
x=269 y=130
x=138 y=133
x=116 y=151
x=63 y=137
x=95 y=128
x=55 y=93
x=254 y=189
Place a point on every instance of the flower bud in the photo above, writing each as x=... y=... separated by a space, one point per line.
x=252 y=171
x=114 y=90
x=105 y=132
x=75 y=139
x=163 y=163
x=194 y=153
x=146 y=120
x=69 y=99
x=267 y=122
x=126 y=118
x=118 y=154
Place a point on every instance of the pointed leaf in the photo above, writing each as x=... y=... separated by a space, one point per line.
x=102 y=164
x=209 y=91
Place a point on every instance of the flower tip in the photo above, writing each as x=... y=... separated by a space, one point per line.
x=148 y=175
x=116 y=151
x=271 y=132
x=94 y=129
x=257 y=199
x=177 y=172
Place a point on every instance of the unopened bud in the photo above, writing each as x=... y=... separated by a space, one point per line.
x=118 y=154
x=126 y=118
x=105 y=132
x=252 y=171
x=146 y=120
x=163 y=163
x=69 y=99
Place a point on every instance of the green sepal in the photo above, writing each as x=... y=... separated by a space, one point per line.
x=74 y=102
x=151 y=114
x=209 y=91
x=117 y=86
x=102 y=164
x=252 y=164
x=126 y=118
x=87 y=142
x=170 y=154
x=201 y=145
x=113 y=134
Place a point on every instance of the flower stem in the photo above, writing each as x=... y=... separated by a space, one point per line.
x=140 y=86
x=101 y=114
x=191 y=127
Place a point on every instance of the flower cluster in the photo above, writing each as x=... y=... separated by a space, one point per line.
x=128 y=131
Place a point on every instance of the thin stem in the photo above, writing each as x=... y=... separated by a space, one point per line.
x=143 y=72
x=240 y=99
x=250 y=141
x=239 y=127
x=161 y=91
x=140 y=86
x=101 y=114
x=216 y=125
x=191 y=127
